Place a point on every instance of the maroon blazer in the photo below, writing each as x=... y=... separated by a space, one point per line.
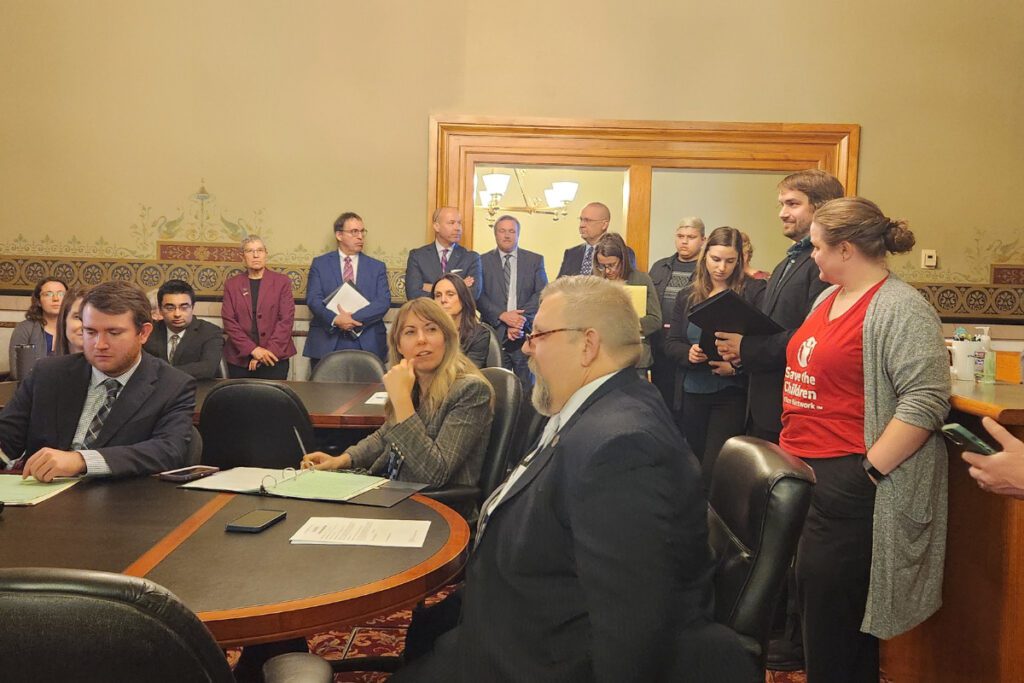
x=275 y=315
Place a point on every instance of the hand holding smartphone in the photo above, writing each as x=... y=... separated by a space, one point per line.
x=967 y=439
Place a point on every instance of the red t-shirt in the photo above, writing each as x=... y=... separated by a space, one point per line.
x=823 y=390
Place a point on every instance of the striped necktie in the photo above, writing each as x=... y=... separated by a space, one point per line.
x=349 y=275
x=507 y=273
x=444 y=260
x=588 y=261
x=113 y=387
x=172 y=347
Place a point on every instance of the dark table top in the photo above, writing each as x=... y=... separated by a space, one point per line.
x=247 y=588
x=330 y=404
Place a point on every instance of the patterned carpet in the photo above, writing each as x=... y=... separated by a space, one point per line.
x=385 y=636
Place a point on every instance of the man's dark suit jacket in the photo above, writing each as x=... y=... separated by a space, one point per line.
x=787 y=301
x=597 y=557
x=199 y=351
x=148 y=429
x=325 y=276
x=531 y=278
x=424 y=267
x=572 y=260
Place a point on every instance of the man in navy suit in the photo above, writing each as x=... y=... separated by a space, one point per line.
x=333 y=330
x=188 y=343
x=579 y=260
x=592 y=558
x=444 y=255
x=513 y=280
x=109 y=411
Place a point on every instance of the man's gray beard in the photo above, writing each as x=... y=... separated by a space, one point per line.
x=541 y=396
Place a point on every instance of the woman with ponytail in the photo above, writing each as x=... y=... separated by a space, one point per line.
x=866 y=389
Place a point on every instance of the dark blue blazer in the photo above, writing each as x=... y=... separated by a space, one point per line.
x=572 y=260
x=148 y=429
x=424 y=267
x=596 y=556
x=372 y=283
x=531 y=278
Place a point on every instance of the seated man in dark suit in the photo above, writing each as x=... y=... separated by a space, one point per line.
x=594 y=221
x=428 y=263
x=183 y=340
x=513 y=280
x=592 y=559
x=112 y=411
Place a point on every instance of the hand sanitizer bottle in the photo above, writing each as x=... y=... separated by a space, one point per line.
x=988 y=360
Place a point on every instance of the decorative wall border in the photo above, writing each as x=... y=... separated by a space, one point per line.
x=966 y=303
x=19 y=274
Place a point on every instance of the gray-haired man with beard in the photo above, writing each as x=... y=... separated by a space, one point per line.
x=591 y=560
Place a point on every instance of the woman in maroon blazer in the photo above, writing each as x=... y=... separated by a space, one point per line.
x=258 y=314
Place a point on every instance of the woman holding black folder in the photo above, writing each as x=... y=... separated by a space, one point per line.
x=714 y=391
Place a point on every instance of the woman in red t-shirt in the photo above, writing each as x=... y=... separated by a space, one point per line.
x=866 y=385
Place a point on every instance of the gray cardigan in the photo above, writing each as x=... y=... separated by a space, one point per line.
x=906 y=376
x=650 y=323
x=27 y=332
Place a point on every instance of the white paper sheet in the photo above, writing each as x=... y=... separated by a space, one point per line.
x=390 y=533
x=349 y=298
x=378 y=399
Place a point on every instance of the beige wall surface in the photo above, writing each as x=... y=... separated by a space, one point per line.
x=115 y=111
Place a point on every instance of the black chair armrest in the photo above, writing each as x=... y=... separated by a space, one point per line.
x=297 y=667
x=456 y=493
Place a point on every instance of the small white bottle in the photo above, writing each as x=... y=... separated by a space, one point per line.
x=986 y=373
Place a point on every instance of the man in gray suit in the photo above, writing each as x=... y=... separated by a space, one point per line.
x=444 y=255
x=513 y=280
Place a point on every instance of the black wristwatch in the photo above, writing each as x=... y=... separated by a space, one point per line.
x=872 y=470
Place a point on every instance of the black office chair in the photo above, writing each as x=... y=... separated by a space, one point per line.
x=253 y=422
x=493 y=348
x=80 y=625
x=508 y=396
x=348 y=365
x=195 y=448
x=758 y=501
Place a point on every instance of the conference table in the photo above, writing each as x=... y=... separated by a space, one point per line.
x=332 y=405
x=246 y=588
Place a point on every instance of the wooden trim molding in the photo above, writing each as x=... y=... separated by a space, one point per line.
x=458 y=143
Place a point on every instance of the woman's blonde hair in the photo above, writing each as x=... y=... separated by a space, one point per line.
x=454 y=364
x=860 y=222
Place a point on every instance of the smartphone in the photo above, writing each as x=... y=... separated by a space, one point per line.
x=188 y=473
x=256 y=521
x=966 y=439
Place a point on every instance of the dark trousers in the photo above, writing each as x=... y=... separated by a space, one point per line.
x=277 y=371
x=709 y=420
x=515 y=360
x=833 y=568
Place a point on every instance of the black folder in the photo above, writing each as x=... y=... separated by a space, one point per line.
x=728 y=312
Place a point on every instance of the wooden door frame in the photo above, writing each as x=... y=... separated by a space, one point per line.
x=458 y=143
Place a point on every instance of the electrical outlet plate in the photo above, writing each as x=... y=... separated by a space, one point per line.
x=929 y=259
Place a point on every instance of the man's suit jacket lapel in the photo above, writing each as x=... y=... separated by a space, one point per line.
x=132 y=397
x=158 y=339
x=777 y=281
x=545 y=455
x=364 y=276
x=68 y=408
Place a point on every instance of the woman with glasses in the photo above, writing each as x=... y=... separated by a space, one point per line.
x=438 y=412
x=36 y=332
x=611 y=261
x=258 y=313
x=714 y=391
x=452 y=294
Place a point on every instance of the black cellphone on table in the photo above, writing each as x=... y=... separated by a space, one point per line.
x=256 y=521
x=967 y=439
x=188 y=473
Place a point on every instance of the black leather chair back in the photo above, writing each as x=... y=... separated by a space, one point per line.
x=78 y=625
x=195 y=448
x=508 y=398
x=493 y=348
x=758 y=501
x=252 y=422
x=348 y=365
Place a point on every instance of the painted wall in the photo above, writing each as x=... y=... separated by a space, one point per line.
x=116 y=111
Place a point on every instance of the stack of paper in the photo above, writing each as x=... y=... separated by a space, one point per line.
x=391 y=533
x=17 y=491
